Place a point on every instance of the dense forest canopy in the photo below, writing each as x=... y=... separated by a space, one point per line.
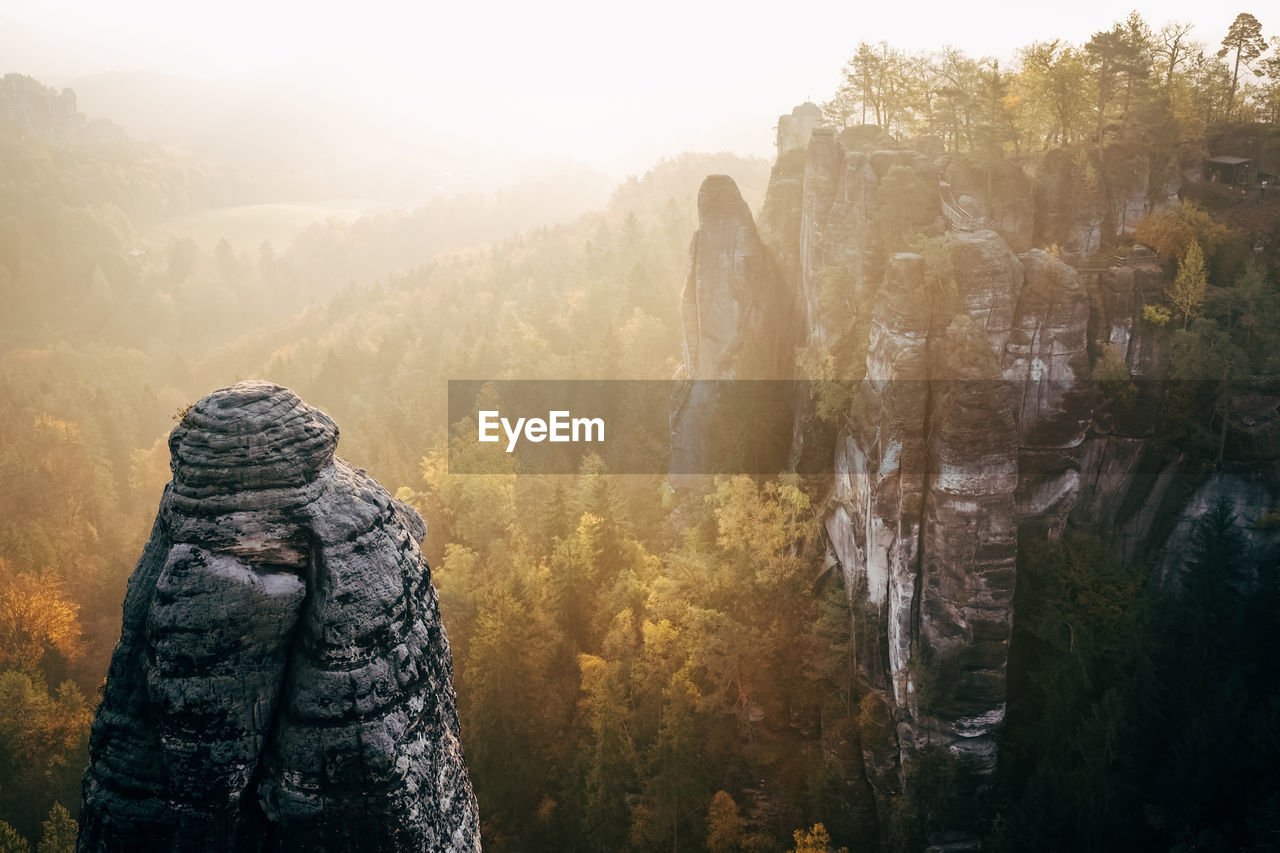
x=636 y=671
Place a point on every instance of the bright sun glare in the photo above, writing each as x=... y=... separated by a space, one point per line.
x=500 y=87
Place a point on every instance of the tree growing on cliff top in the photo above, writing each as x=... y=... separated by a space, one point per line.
x=1141 y=42
x=1173 y=48
x=1245 y=39
x=1271 y=68
x=876 y=88
x=994 y=125
x=1188 y=290
x=1114 y=54
x=1052 y=92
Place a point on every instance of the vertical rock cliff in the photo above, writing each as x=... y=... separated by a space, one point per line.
x=282 y=681
x=978 y=426
x=932 y=480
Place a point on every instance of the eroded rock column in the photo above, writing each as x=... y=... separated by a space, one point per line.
x=282 y=681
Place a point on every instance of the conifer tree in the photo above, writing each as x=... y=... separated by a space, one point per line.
x=1245 y=39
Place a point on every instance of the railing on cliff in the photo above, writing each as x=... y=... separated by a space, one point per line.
x=964 y=220
x=1094 y=263
x=960 y=219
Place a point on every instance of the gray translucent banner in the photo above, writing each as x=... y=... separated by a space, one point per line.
x=764 y=427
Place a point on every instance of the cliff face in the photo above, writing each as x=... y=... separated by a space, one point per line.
x=282 y=681
x=978 y=426
x=1083 y=198
x=967 y=437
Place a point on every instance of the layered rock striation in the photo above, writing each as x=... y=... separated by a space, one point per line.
x=282 y=680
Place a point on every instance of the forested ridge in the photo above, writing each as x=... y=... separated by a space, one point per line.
x=636 y=669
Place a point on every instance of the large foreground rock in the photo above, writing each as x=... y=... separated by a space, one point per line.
x=282 y=681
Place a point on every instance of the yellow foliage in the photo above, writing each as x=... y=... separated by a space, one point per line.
x=61 y=430
x=764 y=520
x=1171 y=233
x=761 y=525
x=41 y=730
x=1156 y=315
x=592 y=669
x=34 y=614
x=815 y=840
x=1189 y=287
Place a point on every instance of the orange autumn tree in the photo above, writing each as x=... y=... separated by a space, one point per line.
x=1171 y=232
x=34 y=616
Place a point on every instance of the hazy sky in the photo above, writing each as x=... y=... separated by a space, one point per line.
x=611 y=84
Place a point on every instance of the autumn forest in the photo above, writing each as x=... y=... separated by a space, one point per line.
x=641 y=667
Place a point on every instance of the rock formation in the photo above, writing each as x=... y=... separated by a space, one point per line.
x=736 y=308
x=1083 y=198
x=283 y=680
x=738 y=324
x=971 y=416
x=794 y=129
x=978 y=426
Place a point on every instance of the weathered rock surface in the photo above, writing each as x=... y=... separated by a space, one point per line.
x=283 y=680
x=1083 y=198
x=835 y=225
x=968 y=430
x=977 y=426
x=874 y=525
x=1004 y=195
x=932 y=484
